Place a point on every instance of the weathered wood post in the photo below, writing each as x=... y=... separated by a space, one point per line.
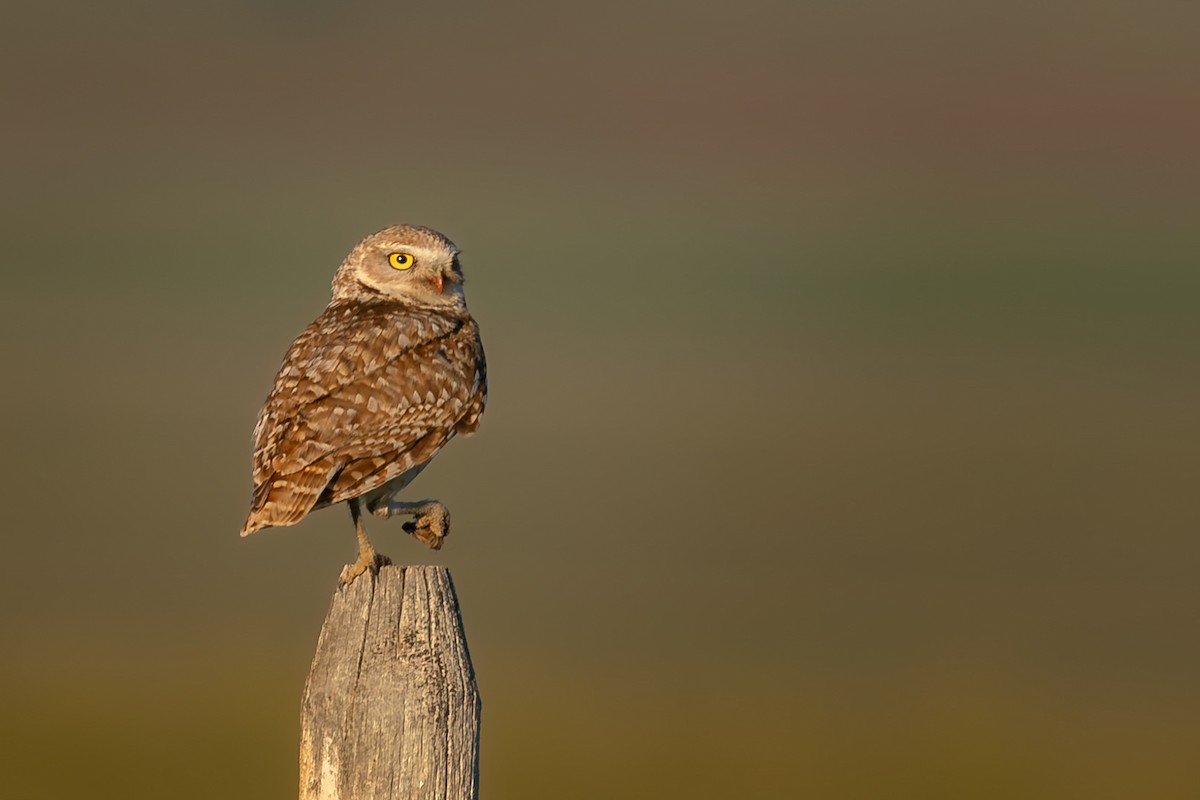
x=391 y=709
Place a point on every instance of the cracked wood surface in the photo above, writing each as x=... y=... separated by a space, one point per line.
x=390 y=708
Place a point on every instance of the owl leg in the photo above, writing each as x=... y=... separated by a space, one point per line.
x=432 y=519
x=368 y=559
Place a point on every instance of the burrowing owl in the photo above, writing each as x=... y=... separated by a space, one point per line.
x=371 y=391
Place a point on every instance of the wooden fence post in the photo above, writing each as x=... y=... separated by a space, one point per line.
x=390 y=708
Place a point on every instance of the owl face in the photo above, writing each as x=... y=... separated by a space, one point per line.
x=404 y=262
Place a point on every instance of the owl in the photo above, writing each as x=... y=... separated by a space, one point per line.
x=389 y=372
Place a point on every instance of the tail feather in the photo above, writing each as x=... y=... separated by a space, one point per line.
x=285 y=500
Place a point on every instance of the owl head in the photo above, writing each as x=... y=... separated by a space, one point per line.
x=409 y=263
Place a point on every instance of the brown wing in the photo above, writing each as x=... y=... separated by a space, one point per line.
x=365 y=393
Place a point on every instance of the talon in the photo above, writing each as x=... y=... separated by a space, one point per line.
x=350 y=572
x=374 y=563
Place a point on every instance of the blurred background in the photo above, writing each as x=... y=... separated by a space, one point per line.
x=843 y=426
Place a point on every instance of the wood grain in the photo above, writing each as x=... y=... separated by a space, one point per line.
x=391 y=709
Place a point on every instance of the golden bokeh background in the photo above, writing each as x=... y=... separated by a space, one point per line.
x=843 y=426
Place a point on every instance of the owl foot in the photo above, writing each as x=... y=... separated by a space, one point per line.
x=431 y=523
x=431 y=526
x=366 y=561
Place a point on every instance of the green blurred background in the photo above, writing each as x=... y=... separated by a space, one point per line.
x=843 y=432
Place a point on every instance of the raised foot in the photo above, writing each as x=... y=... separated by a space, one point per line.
x=431 y=526
x=431 y=523
x=372 y=561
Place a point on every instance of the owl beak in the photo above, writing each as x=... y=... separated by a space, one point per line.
x=437 y=282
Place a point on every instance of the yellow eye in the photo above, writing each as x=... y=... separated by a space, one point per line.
x=400 y=260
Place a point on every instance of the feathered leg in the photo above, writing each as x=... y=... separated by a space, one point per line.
x=368 y=559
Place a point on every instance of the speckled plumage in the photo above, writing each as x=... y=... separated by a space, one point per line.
x=374 y=387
